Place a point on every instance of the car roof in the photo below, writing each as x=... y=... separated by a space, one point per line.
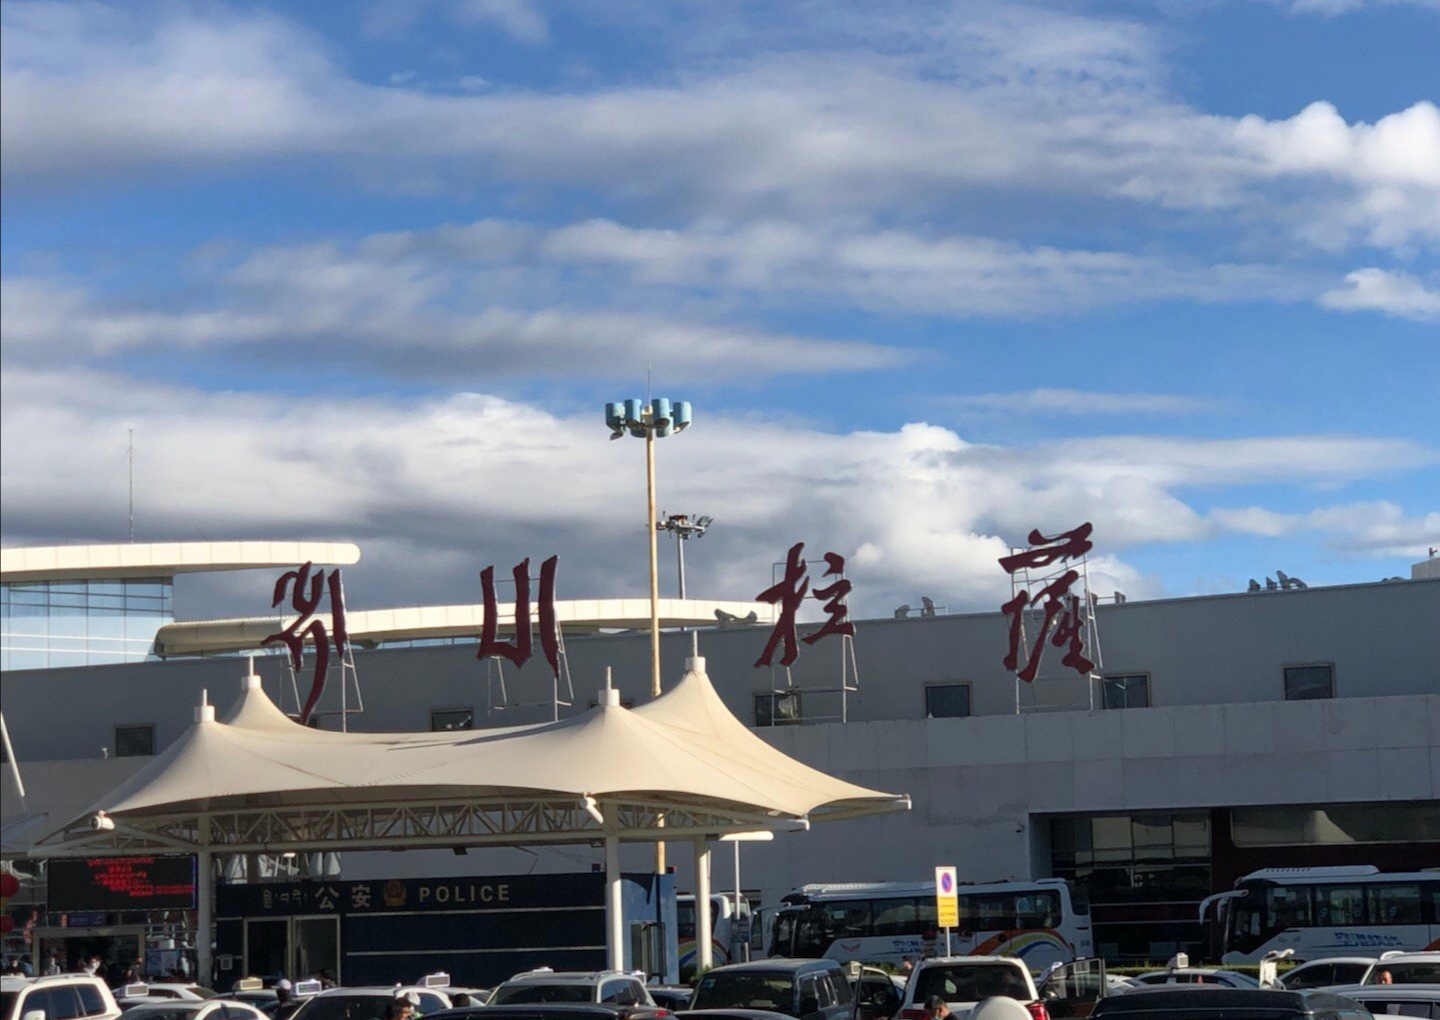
x=1334 y=959
x=1420 y=957
x=952 y=960
x=13 y=982
x=1192 y=998
x=569 y=976
x=776 y=963
x=579 y=1009
x=747 y=1014
x=1425 y=992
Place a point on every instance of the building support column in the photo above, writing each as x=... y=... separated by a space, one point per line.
x=614 y=907
x=704 y=936
x=204 y=918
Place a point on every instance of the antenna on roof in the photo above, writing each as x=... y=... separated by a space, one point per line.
x=130 y=485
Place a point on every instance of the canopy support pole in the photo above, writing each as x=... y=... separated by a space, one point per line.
x=614 y=913
x=704 y=936
x=204 y=917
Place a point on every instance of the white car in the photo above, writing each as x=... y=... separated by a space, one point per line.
x=160 y=991
x=962 y=981
x=77 y=996
x=1395 y=1000
x=1195 y=976
x=1404 y=969
x=545 y=985
x=367 y=1003
x=194 y=1009
x=1332 y=970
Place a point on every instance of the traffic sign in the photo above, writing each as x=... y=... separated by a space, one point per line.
x=947 y=904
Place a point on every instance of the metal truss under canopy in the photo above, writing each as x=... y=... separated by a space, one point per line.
x=413 y=824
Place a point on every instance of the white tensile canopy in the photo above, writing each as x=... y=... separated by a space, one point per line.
x=679 y=767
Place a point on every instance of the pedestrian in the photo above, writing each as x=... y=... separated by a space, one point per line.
x=936 y=1008
x=53 y=965
x=402 y=1007
x=285 y=1000
x=906 y=965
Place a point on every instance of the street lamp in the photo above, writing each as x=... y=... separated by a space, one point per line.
x=684 y=528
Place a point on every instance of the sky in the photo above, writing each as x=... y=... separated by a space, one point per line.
x=932 y=275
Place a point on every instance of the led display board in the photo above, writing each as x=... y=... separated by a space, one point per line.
x=121 y=883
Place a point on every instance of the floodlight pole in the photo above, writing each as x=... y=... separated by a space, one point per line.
x=651 y=524
x=653 y=420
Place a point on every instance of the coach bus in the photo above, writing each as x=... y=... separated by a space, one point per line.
x=729 y=932
x=1317 y=912
x=1041 y=922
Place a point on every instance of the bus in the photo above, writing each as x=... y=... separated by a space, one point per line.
x=729 y=933
x=1042 y=922
x=1318 y=912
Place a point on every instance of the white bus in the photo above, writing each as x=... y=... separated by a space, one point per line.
x=1317 y=912
x=1041 y=922
x=729 y=934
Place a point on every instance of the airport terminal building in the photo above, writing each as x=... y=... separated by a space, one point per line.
x=1226 y=733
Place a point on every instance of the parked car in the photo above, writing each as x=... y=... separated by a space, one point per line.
x=69 y=996
x=1196 y=976
x=1332 y=970
x=545 y=985
x=878 y=994
x=143 y=993
x=553 y=1011
x=1404 y=969
x=366 y=1003
x=962 y=981
x=805 y=989
x=1395 y=1000
x=193 y=1009
x=1205 y=1003
x=671 y=997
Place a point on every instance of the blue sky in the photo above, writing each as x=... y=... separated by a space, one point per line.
x=932 y=274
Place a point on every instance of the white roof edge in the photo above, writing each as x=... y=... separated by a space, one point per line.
x=374 y=626
x=164 y=559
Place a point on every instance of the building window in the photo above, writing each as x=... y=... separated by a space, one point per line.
x=947 y=701
x=443 y=720
x=777 y=709
x=135 y=741
x=1126 y=691
x=1305 y=683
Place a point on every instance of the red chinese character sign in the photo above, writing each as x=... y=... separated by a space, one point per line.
x=789 y=594
x=521 y=648
x=307 y=592
x=1062 y=618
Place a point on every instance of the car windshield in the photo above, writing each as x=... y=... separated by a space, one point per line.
x=7 y=1003
x=772 y=990
x=201 y=993
x=1405 y=973
x=344 y=1007
x=970 y=982
x=534 y=991
x=166 y=1012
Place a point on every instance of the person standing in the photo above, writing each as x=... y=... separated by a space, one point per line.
x=53 y=965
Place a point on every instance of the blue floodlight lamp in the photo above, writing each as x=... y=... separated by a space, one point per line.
x=615 y=420
x=680 y=415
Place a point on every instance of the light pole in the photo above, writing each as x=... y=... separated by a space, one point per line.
x=684 y=529
x=655 y=420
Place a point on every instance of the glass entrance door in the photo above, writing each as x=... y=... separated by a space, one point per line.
x=315 y=944
x=267 y=946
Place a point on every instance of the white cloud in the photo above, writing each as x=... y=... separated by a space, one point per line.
x=320 y=306
x=1021 y=101
x=1378 y=528
x=1082 y=402
x=472 y=479
x=1380 y=290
